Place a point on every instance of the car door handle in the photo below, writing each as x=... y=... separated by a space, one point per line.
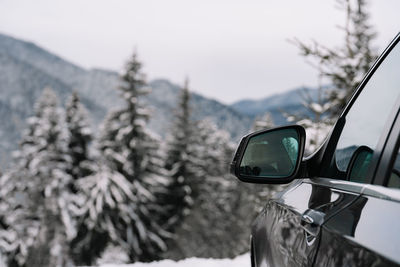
x=311 y=220
x=307 y=219
x=313 y=217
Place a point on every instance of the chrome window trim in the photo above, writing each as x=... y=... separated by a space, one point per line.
x=377 y=191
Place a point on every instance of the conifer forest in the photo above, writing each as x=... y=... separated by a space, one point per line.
x=78 y=195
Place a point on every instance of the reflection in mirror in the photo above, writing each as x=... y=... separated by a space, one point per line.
x=359 y=164
x=271 y=154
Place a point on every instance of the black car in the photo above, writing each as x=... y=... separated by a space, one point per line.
x=343 y=205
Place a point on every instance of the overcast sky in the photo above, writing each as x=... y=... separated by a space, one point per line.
x=229 y=49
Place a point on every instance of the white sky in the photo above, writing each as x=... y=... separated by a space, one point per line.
x=230 y=49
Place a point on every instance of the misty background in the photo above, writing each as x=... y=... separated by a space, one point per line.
x=230 y=49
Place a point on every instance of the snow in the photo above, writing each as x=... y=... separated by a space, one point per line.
x=240 y=261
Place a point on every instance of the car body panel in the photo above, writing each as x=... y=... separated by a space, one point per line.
x=281 y=224
x=357 y=235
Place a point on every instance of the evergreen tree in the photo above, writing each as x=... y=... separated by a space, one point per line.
x=105 y=203
x=342 y=68
x=39 y=218
x=217 y=201
x=213 y=147
x=88 y=244
x=345 y=66
x=180 y=161
x=133 y=152
x=18 y=234
x=80 y=136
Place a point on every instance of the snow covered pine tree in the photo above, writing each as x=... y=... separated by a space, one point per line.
x=345 y=66
x=80 y=136
x=208 y=228
x=342 y=68
x=204 y=197
x=180 y=161
x=35 y=193
x=132 y=153
x=88 y=243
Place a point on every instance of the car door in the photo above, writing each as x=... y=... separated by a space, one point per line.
x=366 y=232
x=286 y=236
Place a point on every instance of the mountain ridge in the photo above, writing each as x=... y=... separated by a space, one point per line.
x=277 y=104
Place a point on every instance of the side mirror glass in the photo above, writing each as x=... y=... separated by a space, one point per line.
x=271 y=156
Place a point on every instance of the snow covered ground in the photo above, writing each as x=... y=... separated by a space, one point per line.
x=240 y=261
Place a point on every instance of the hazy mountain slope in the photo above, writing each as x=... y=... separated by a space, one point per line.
x=21 y=84
x=97 y=84
x=290 y=102
x=164 y=97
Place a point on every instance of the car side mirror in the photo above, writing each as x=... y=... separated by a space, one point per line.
x=270 y=156
x=359 y=164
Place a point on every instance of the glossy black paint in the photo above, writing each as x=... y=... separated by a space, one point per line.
x=364 y=234
x=280 y=235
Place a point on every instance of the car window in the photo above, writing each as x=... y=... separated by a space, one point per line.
x=365 y=121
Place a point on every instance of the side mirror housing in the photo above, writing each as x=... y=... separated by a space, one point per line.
x=270 y=156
